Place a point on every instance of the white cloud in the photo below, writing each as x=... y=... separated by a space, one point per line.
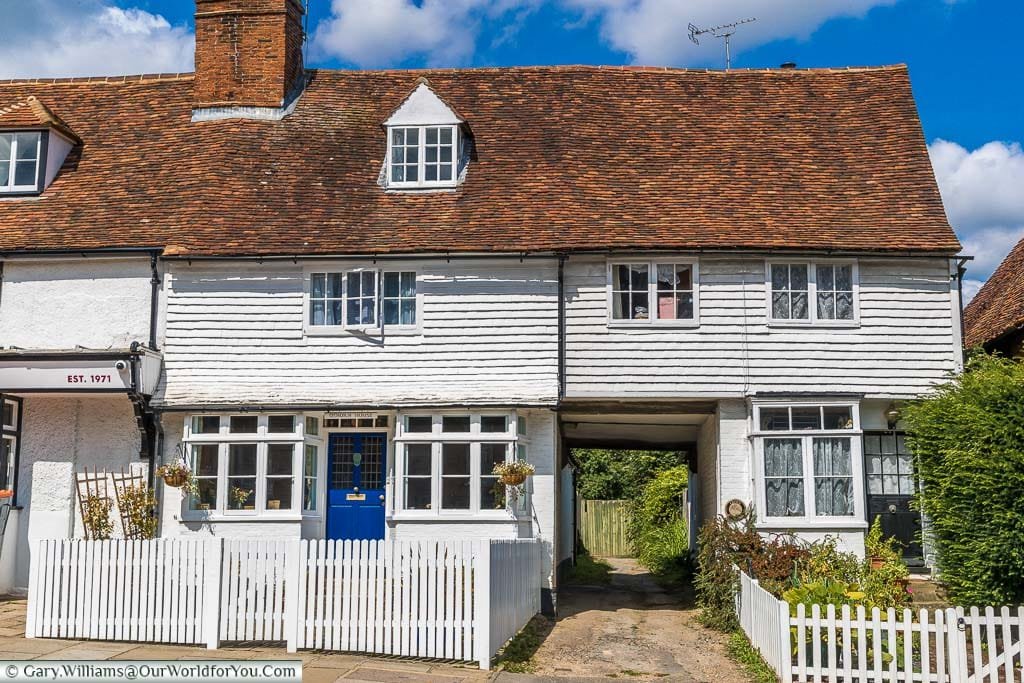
x=373 y=33
x=971 y=288
x=983 y=195
x=655 y=31
x=89 y=38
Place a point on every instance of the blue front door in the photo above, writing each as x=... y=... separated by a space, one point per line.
x=355 y=486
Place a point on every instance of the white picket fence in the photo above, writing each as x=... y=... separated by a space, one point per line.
x=950 y=645
x=458 y=600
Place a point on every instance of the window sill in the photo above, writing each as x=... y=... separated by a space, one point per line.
x=803 y=324
x=804 y=523
x=221 y=517
x=654 y=324
x=340 y=331
x=454 y=517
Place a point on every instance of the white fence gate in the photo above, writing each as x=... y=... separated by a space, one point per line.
x=459 y=600
x=951 y=645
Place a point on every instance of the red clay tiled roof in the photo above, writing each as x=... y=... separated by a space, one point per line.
x=998 y=307
x=565 y=158
x=31 y=113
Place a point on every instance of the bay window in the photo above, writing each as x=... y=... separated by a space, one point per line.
x=806 y=292
x=651 y=292
x=808 y=460
x=251 y=465
x=360 y=299
x=446 y=462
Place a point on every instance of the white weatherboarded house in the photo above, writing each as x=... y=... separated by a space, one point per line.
x=343 y=297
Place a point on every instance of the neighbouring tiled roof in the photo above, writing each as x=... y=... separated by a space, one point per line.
x=564 y=158
x=31 y=113
x=998 y=307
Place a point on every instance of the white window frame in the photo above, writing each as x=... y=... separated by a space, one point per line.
x=421 y=182
x=812 y=318
x=316 y=441
x=652 y=292
x=810 y=519
x=436 y=438
x=7 y=185
x=309 y=329
x=224 y=438
x=11 y=433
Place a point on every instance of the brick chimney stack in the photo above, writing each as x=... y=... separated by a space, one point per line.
x=248 y=52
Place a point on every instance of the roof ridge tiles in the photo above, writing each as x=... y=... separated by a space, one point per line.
x=636 y=68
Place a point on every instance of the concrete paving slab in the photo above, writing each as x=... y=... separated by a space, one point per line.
x=395 y=676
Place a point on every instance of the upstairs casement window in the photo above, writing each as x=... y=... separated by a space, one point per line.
x=423 y=156
x=653 y=292
x=809 y=464
x=20 y=161
x=362 y=299
x=804 y=292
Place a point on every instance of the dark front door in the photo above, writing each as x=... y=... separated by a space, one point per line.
x=891 y=483
x=355 y=486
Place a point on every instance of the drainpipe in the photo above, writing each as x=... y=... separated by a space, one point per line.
x=154 y=298
x=561 y=327
x=961 y=270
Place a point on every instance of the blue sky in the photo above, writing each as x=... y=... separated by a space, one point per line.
x=964 y=60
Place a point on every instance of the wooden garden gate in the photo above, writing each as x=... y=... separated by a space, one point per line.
x=602 y=525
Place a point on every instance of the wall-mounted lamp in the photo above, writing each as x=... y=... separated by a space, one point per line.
x=892 y=415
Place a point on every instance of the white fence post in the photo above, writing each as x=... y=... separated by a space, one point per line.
x=785 y=663
x=482 y=603
x=213 y=588
x=956 y=645
x=34 y=567
x=292 y=595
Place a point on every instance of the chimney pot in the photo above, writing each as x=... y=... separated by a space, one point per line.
x=248 y=52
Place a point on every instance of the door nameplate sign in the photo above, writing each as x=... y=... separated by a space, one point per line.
x=355 y=496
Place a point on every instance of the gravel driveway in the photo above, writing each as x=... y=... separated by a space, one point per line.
x=631 y=630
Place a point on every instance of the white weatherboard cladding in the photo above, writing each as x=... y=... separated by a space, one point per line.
x=62 y=435
x=488 y=335
x=423 y=108
x=906 y=341
x=95 y=303
x=707 y=468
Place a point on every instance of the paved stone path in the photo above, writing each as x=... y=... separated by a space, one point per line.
x=318 y=667
x=631 y=630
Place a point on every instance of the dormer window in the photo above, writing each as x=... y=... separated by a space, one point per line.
x=424 y=143
x=423 y=156
x=34 y=142
x=19 y=161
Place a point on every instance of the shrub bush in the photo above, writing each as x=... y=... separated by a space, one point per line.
x=621 y=475
x=656 y=529
x=809 y=573
x=968 y=441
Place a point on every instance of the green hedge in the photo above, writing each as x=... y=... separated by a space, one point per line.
x=657 y=529
x=968 y=441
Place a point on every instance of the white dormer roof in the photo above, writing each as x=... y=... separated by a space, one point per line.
x=423 y=108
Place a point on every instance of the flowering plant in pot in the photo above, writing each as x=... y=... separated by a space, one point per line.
x=513 y=475
x=177 y=474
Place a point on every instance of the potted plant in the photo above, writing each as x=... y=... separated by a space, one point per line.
x=175 y=474
x=875 y=546
x=239 y=496
x=513 y=473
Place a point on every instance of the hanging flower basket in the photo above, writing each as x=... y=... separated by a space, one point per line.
x=175 y=474
x=513 y=475
x=513 y=479
x=176 y=479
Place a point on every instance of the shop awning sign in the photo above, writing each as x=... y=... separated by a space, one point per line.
x=70 y=375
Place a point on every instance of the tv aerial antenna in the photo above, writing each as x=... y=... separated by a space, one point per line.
x=725 y=32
